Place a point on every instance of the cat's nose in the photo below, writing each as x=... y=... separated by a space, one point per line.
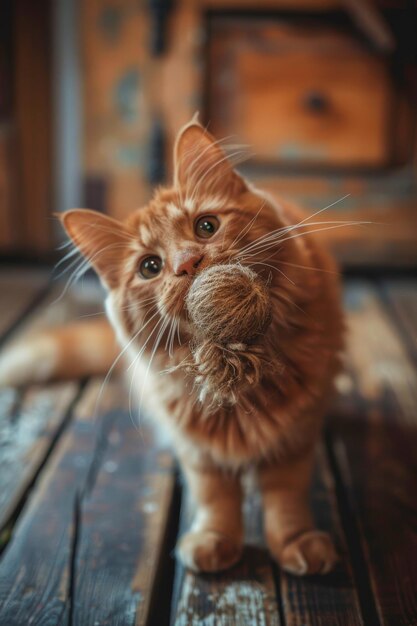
x=187 y=262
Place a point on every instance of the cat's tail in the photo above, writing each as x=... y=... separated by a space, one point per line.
x=76 y=350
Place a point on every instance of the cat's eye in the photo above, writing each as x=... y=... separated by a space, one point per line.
x=150 y=267
x=206 y=226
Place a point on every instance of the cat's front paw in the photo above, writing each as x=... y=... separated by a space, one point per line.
x=208 y=551
x=312 y=552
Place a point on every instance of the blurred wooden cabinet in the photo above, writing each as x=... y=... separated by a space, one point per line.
x=310 y=85
x=299 y=93
x=26 y=178
x=305 y=84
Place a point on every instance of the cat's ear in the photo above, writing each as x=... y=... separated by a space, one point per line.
x=201 y=167
x=101 y=239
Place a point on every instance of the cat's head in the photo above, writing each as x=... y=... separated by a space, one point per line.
x=210 y=215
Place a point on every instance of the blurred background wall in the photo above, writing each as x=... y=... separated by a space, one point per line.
x=323 y=91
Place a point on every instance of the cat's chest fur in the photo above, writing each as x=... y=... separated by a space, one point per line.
x=263 y=425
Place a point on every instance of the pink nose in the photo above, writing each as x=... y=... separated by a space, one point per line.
x=187 y=262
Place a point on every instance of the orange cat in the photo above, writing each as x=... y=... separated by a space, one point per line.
x=211 y=215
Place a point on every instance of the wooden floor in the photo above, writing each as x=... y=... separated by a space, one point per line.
x=90 y=508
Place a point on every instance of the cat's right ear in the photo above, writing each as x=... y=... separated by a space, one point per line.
x=101 y=239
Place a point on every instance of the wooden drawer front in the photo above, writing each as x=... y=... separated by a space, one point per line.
x=303 y=94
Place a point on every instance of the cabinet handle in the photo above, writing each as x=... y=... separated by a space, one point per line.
x=316 y=102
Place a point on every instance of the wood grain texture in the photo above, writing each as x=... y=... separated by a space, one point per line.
x=243 y=596
x=374 y=442
x=30 y=422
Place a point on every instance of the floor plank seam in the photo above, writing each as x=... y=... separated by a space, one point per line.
x=179 y=571
x=85 y=489
x=348 y=521
x=163 y=590
x=100 y=446
x=72 y=580
x=7 y=528
x=276 y=572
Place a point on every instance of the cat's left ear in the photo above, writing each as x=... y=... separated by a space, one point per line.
x=101 y=239
x=202 y=167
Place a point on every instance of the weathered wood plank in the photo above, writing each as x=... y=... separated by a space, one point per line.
x=18 y=290
x=87 y=543
x=35 y=566
x=32 y=419
x=329 y=600
x=27 y=432
x=374 y=443
x=123 y=515
x=245 y=595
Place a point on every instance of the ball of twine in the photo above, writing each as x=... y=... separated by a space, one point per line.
x=229 y=303
x=230 y=309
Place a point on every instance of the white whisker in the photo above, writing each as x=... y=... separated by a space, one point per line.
x=135 y=362
x=272 y=241
x=156 y=345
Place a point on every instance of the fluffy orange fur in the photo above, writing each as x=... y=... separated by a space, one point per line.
x=273 y=426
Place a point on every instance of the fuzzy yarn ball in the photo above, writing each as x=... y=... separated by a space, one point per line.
x=229 y=308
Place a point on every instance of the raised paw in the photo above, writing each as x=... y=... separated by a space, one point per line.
x=312 y=552
x=208 y=551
